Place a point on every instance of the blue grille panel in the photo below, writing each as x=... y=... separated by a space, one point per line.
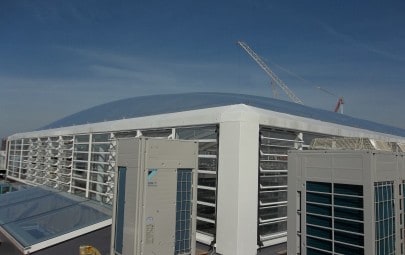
x=183 y=211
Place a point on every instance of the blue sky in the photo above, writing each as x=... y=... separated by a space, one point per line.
x=58 y=57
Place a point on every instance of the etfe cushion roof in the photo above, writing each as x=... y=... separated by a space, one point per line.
x=170 y=103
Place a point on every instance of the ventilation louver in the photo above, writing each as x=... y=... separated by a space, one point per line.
x=401 y=146
x=354 y=143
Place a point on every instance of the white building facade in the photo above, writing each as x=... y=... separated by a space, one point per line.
x=242 y=186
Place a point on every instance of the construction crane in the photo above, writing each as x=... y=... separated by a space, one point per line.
x=270 y=73
x=339 y=103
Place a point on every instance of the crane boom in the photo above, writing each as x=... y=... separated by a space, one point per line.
x=339 y=103
x=269 y=72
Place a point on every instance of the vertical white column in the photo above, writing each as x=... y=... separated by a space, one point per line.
x=21 y=158
x=237 y=187
x=89 y=164
x=8 y=145
x=72 y=164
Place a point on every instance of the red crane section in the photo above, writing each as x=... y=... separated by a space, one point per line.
x=339 y=105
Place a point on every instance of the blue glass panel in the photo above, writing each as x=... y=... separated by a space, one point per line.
x=319 y=187
x=385 y=228
x=54 y=223
x=380 y=193
x=23 y=195
x=384 y=193
x=389 y=192
x=389 y=229
x=349 y=238
x=348 y=213
x=183 y=211
x=319 y=198
x=119 y=225
x=319 y=209
x=380 y=209
x=348 y=201
x=385 y=215
x=30 y=208
x=320 y=244
x=391 y=209
x=386 y=210
x=348 y=189
x=390 y=244
x=348 y=250
x=381 y=248
x=316 y=252
x=351 y=226
x=319 y=232
x=319 y=220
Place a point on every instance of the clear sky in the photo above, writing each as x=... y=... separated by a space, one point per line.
x=58 y=57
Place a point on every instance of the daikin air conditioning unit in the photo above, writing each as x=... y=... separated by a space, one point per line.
x=155 y=201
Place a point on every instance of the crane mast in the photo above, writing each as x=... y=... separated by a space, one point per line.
x=269 y=72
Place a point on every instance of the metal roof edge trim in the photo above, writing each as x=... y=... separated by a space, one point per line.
x=13 y=240
x=67 y=236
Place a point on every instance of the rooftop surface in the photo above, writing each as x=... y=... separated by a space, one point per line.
x=170 y=103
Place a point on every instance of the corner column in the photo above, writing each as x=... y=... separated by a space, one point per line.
x=237 y=187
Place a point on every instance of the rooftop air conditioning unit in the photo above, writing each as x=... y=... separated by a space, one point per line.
x=155 y=201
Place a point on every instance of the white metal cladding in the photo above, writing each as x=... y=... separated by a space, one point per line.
x=32 y=152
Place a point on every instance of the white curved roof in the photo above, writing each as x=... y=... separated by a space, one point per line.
x=171 y=103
